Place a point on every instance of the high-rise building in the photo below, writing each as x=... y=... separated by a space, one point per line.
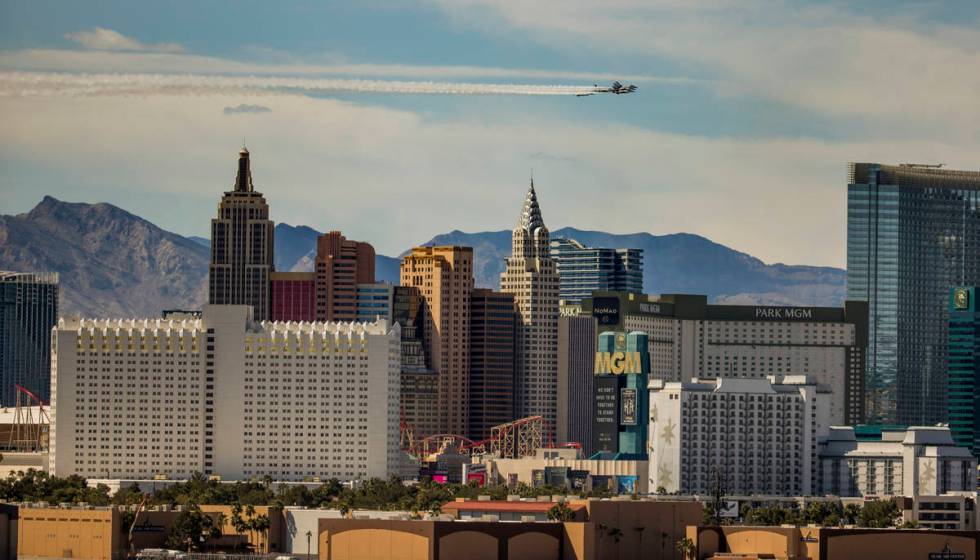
x=28 y=310
x=576 y=360
x=912 y=462
x=293 y=296
x=375 y=300
x=691 y=339
x=913 y=232
x=242 y=244
x=419 y=383
x=532 y=277
x=340 y=266
x=444 y=278
x=583 y=270
x=224 y=395
x=964 y=368
x=493 y=331
x=620 y=412
x=753 y=436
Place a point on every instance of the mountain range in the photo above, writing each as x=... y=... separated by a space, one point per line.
x=114 y=263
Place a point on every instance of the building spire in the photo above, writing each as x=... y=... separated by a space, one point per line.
x=531 y=213
x=243 y=181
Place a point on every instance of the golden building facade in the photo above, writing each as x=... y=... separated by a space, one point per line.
x=444 y=277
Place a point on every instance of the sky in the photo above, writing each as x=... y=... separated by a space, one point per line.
x=745 y=118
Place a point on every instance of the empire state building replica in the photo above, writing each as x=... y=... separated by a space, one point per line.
x=242 y=239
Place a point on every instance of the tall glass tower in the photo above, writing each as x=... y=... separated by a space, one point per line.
x=913 y=232
x=28 y=311
x=583 y=270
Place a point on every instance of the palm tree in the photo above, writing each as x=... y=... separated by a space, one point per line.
x=261 y=524
x=309 y=535
x=250 y=523
x=218 y=530
x=237 y=522
x=687 y=549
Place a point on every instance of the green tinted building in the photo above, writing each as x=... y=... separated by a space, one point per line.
x=622 y=367
x=963 y=396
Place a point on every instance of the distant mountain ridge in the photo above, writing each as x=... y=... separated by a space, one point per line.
x=679 y=263
x=114 y=263
x=111 y=263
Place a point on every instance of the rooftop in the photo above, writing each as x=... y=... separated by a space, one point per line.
x=519 y=507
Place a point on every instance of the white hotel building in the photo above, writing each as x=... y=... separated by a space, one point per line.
x=224 y=395
x=753 y=436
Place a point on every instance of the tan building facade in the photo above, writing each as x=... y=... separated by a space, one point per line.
x=444 y=277
x=602 y=529
x=532 y=277
x=102 y=533
x=341 y=265
x=816 y=543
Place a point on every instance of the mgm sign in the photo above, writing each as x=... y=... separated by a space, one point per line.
x=620 y=361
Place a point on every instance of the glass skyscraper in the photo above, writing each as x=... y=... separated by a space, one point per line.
x=913 y=232
x=583 y=270
x=28 y=311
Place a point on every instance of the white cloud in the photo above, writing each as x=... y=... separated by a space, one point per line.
x=102 y=39
x=897 y=70
x=395 y=178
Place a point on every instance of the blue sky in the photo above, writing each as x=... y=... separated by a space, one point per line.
x=745 y=119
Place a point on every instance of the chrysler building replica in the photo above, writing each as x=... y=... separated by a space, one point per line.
x=532 y=277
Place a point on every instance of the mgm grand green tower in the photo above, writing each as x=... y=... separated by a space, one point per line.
x=622 y=367
x=913 y=232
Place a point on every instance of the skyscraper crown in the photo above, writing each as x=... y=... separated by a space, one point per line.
x=243 y=181
x=531 y=213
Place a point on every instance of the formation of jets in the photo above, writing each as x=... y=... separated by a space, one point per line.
x=616 y=88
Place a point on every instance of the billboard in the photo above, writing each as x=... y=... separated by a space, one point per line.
x=606 y=311
x=600 y=483
x=577 y=479
x=556 y=476
x=625 y=484
x=627 y=407
x=537 y=477
x=728 y=509
x=605 y=428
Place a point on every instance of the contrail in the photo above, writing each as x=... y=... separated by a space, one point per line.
x=33 y=84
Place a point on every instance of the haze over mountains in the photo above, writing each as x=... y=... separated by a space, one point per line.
x=113 y=263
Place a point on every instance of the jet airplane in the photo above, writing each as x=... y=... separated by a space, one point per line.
x=616 y=87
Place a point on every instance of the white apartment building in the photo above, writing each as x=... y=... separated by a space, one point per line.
x=224 y=395
x=689 y=338
x=919 y=461
x=751 y=436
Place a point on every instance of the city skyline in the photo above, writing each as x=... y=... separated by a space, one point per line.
x=745 y=135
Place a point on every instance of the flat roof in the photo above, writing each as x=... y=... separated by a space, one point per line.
x=499 y=505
